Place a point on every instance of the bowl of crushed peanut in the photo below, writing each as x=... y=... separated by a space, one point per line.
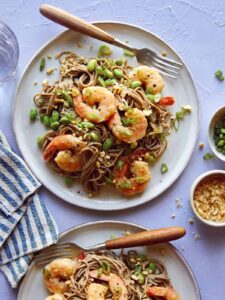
x=207 y=198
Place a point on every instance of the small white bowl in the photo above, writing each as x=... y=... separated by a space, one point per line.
x=214 y=120
x=191 y=198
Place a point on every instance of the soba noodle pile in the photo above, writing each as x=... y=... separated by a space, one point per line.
x=98 y=164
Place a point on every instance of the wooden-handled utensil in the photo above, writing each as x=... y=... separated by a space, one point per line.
x=143 y=238
x=144 y=56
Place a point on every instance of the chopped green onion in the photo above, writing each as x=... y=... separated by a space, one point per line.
x=104 y=50
x=94 y=136
x=120 y=164
x=219 y=135
x=176 y=125
x=152 y=267
x=137 y=270
x=33 y=114
x=179 y=117
x=141 y=278
x=208 y=156
x=124 y=121
x=107 y=144
x=99 y=272
x=87 y=124
x=164 y=168
x=106 y=269
x=221 y=143
x=148 y=90
x=125 y=185
x=149 y=158
x=150 y=97
x=42 y=64
x=143 y=257
x=69 y=181
x=157 y=97
x=40 y=140
x=128 y=53
x=219 y=75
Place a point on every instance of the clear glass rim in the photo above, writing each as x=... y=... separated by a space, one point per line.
x=16 y=46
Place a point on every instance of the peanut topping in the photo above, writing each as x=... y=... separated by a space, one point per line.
x=209 y=198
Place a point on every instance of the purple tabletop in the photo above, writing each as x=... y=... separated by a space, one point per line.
x=196 y=30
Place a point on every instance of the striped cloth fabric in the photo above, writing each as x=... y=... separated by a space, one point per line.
x=26 y=225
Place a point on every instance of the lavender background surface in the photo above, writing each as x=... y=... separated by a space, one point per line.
x=196 y=30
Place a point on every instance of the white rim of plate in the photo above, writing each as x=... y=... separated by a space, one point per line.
x=113 y=222
x=83 y=204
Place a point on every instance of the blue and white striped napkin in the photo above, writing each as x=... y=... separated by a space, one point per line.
x=26 y=225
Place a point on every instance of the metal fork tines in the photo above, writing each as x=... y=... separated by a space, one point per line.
x=165 y=66
x=53 y=252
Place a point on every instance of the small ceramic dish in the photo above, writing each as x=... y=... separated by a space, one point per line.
x=198 y=180
x=213 y=122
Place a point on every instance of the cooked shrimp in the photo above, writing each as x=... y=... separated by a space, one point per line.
x=68 y=162
x=135 y=129
x=116 y=285
x=68 y=147
x=150 y=77
x=56 y=273
x=96 y=291
x=139 y=176
x=55 y=297
x=166 y=293
x=84 y=105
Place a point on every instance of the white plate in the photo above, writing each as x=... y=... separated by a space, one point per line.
x=92 y=233
x=181 y=144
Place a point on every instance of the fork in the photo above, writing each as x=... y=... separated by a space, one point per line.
x=143 y=238
x=144 y=56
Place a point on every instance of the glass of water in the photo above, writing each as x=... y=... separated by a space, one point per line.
x=9 y=53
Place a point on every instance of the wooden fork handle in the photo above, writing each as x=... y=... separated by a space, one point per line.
x=145 y=238
x=72 y=22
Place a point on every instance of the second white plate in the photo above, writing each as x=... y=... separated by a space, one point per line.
x=96 y=232
x=180 y=145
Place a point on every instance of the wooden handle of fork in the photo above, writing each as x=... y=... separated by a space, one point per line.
x=145 y=238
x=72 y=22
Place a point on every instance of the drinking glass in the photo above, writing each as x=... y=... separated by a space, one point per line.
x=9 y=53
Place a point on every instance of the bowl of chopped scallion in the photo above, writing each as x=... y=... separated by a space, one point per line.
x=216 y=133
